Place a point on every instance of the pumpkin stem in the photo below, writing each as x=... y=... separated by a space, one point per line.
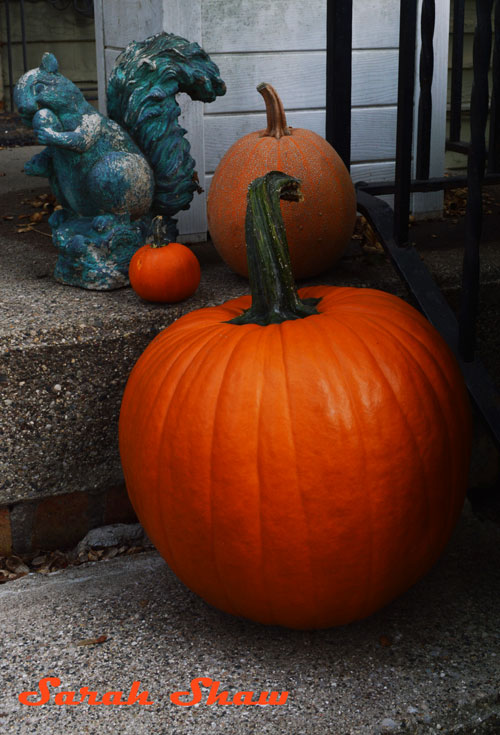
x=276 y=120
x=159 y=240
x=274 y=296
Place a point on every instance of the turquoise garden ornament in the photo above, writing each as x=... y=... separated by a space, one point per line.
x=111 y=175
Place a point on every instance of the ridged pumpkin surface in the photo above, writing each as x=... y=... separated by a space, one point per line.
x=318 y=229
x=303 y=473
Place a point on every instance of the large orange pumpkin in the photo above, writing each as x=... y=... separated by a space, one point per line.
x=297 y=458
x=319 y=230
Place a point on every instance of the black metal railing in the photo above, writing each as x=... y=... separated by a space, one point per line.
x=457 y=59
x=494 y=140
x=426 y=71
x=391 y=223
x=479 y=105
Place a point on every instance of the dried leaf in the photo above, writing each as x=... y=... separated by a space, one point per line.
x=110 y=552
x=36 y=217
x=40 y=232
x=16 y=565
x=57 y=564
x=17 y=575
x=39 y=560
x=92 y=641
x=46 y=562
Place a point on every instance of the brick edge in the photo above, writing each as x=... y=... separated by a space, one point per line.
x=61 y=521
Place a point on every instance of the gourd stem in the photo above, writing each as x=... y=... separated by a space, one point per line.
x=276 y=119
x=274 y=295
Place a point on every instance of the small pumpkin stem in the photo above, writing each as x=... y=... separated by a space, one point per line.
x=158 y=236
x=276 y=119
x=274 y=295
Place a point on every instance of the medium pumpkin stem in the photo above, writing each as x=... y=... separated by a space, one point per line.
x=274 y=296
x=276 y=120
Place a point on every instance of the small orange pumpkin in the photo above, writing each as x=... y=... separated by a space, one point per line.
x=303 y=461
x=164 y=272
x=319 y=230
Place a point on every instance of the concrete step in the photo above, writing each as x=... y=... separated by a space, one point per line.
x=66 y=353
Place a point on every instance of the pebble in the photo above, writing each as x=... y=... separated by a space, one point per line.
x=114 y=535
x=389 y=723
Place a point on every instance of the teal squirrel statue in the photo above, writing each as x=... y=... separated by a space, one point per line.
x=112 y=175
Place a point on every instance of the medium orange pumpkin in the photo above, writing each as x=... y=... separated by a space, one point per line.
x=164 y=272
x=319 y=230
x=297 y=458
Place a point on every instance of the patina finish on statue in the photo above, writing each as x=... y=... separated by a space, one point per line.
x=113 y=174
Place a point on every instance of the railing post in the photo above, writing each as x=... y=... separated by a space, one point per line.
x=23 y=35
x=475 y=174
x=404 y=132
x=494 y=141
x=426 y=71
x=338 y=77
x=9 y=53
x=457 y=58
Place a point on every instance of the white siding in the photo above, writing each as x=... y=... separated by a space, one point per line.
x=222 y=130
x=300 y=79
x=281 y=25
x=282 y=42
